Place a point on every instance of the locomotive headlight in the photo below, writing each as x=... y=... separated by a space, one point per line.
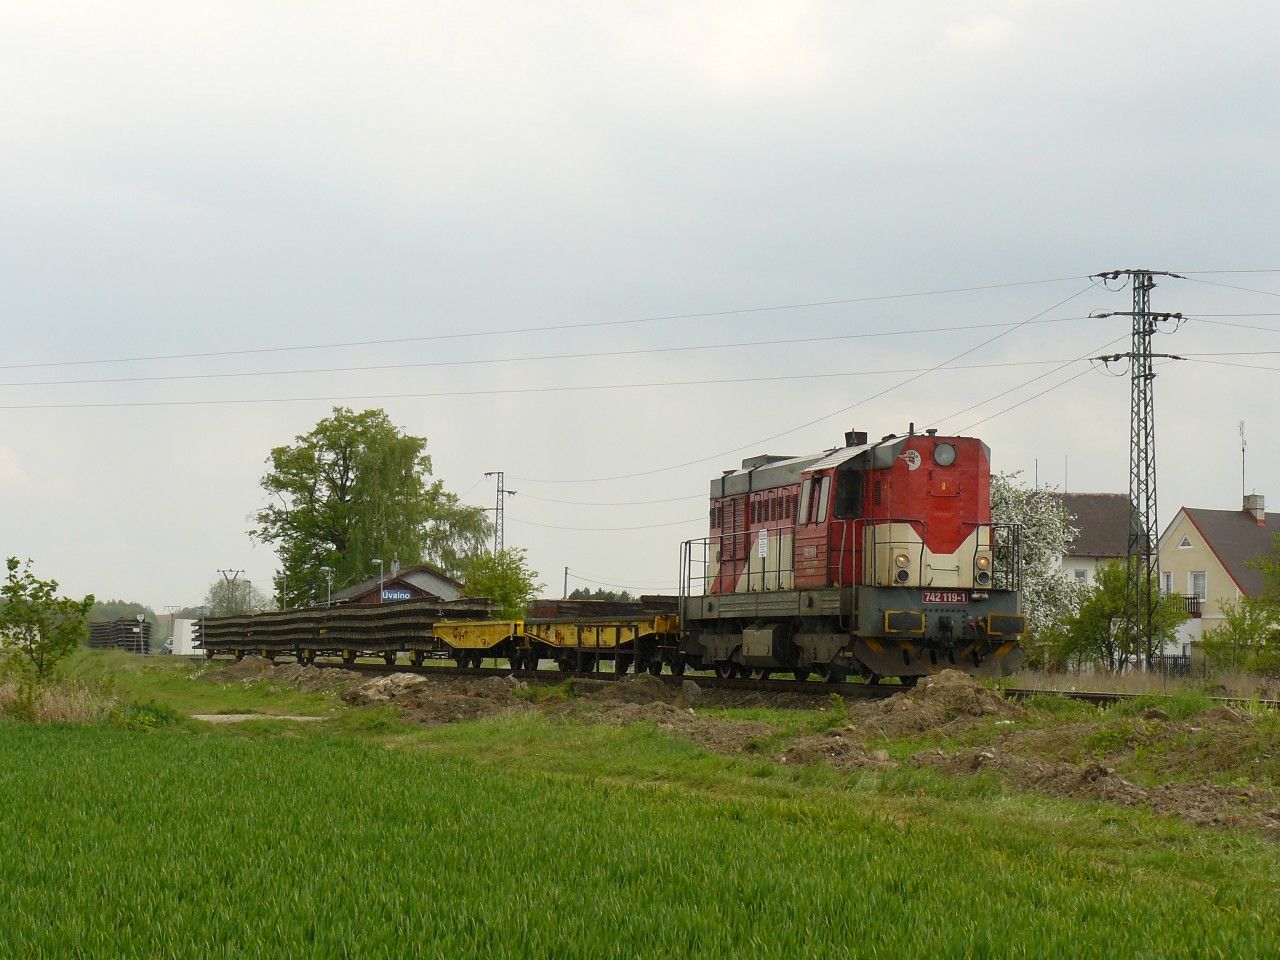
x=901 y=559
x=983 y=562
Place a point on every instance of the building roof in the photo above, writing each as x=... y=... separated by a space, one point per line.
x=426 y=578
x=1235 y=538
x=1102 y=522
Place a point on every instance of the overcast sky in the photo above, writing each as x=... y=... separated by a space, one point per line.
x=181 y=178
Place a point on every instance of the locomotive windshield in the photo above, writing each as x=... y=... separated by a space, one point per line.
x=849 y=494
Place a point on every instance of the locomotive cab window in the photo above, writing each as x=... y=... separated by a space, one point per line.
x=806 y=491
x=849 y=495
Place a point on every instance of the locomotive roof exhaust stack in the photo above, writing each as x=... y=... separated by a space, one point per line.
x=855 y=438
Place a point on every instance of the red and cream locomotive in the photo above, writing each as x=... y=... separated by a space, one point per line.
x=878 y=559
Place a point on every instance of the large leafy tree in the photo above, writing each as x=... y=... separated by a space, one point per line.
x=39 y=625
x=355 y=489
x=1048 y=597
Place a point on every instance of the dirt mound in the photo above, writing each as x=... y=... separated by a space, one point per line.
x=721 y=736
x=838 y=748
x=429 y=703
x=313 y=679
x=948 y=698
x=634 y=688
x=1204 y=804
x=1220 y=716
x=426 y=700
x=383 y=689
x=250 y=668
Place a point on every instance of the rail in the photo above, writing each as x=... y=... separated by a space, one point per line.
x=818 y=688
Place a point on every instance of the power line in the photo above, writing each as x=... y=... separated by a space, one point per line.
x=501 y=391
x=705 y=314
x=1026 y=400
x=642 y=526
x=617 y=503
x=1259 y=270
x=816 y=420
x=620 y=586
x=482 y=361
x=1232 y=286
x=1025 y=383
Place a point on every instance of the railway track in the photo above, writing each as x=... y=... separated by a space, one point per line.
x=815 y=688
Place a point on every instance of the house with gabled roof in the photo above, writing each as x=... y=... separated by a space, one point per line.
x=1205 y=554
x=419 y=582
x=1101 y=521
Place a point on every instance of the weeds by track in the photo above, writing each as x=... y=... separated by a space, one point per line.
x=807 y=687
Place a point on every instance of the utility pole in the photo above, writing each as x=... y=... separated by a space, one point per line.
x=1143 y=560
x=566 y=583
x=499 y=516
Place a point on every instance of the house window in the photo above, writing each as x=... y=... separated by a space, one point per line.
x=1199 y=583
x=1184 y=543
x=1166 y=581
x=1081 y=576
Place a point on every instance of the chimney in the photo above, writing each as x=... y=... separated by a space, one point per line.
x=855 y=438
x=1255 y=503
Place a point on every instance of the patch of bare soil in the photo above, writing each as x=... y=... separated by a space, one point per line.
x=223 y=718
x=424 y=700
x=1204 y=804
x=250 y=668
x=838 y=748
x=312 y=679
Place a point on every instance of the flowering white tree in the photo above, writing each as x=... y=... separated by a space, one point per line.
x=1048 y=597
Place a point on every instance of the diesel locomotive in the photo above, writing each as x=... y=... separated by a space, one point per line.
x=873 y=558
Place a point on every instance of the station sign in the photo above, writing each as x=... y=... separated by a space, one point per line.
x=396 y=593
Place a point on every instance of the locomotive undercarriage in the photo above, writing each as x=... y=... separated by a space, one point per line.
x=838 y=632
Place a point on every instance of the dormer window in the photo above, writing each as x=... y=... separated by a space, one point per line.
x=1185 y=543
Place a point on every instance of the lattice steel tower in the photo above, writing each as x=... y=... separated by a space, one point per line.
x=499 y=514
x=1143 y=558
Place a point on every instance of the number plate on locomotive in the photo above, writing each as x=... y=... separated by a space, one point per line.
x=946 y=596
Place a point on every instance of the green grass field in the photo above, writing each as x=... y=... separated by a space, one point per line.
x=533 y=837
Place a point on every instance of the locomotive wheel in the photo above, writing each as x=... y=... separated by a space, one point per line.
x=800 y=674
x=301 y=656
x=655 y=667
x=725 y=669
